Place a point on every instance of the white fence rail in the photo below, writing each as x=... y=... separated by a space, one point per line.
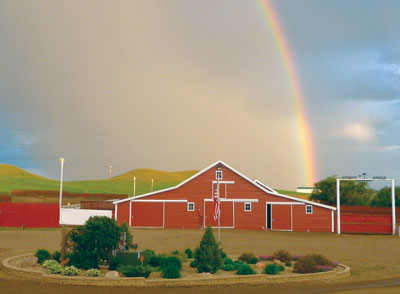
x=71 y=216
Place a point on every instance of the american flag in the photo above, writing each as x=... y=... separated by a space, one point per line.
x=216 y=204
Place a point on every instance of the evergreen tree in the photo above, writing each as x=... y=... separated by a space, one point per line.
x=208 y=254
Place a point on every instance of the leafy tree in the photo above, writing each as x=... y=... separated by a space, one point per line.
x=384 y=197
x=94 y=241
x=208 y=254
x=351 y=192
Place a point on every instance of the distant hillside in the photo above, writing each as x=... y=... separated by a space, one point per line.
x=14 y=178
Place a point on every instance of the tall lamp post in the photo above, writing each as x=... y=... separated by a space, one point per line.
x=61 y=183
x=219 y=167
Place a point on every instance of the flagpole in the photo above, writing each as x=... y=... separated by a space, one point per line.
x=219 y=213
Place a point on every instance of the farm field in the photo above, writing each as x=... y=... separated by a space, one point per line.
x=370 y=257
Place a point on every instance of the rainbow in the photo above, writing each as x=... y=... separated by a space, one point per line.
x=303 y=130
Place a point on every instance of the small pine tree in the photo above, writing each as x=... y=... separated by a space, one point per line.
x=208 y=254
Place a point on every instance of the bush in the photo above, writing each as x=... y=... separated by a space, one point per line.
x=84 y=259
x=170 y=272
x=223 y=254
x=189 y=253
x=248 y=258
x=296 y=257
x=97 y=237
x=266 y=257
x=237 y=264
x=93 y=273
x=171 y=261
x=282 y=255
x=324 y=268
x=128 y=240
x=245 y=269
x=49 y=262
x=228 y=267
x=288 y=263
x=175 y=252
x=147 y=254
x=113 y=264
x=193 y=263
x=228 y=261
x=305 y=265
x=320 y=260
x=208 y=254
x=42 y=255
x=271 y=269
x=56 y=255
x=156 y=260
x=70 y=271
x=54 y=268
x=136 y=271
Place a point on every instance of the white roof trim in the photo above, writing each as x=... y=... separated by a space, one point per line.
x=265 y=186
x=238 y=173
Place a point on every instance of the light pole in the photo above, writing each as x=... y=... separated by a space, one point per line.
x=61 y=183
x=152 y=185
x=134 y=186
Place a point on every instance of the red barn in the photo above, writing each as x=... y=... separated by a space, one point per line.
x=245 y=205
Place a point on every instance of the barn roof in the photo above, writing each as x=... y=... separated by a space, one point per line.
x=256 y=183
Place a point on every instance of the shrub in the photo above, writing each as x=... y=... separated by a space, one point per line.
x=84 y=259
x=324 y=268
x=281 y=268
x=56 y=255
x=136 y=271
x=305 y=265
x=54 y=268
x=253 y=260
x=228 y=261
x=175 y=252
x=113 y=264
x=223 y=254
x=97 y=237
x=189 y=253
x=208 y=254
x=282 y=255
x=49 y=262
x=93 y=273
x=228 y=267
x=156 y=260
x=245 y=269
x=128 y=236
x=237 y=264
x=321 y=260
x=171 y=261
x=266 y=257
x=288 y=263
x=42 y=255
x=147 y=254
x=193 y=263
x=296 y=257
x=247 y=257
x=70 y=271
x=170 y=272
x=271 y=269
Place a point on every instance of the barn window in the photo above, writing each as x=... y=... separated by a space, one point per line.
x=190 y=206
x=218 y=174
x=247 y=206
x=308 y=209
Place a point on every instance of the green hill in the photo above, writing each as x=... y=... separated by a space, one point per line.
x=14 y=178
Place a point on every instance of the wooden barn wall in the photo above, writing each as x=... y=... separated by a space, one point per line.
x=177 y=216
x=226 y=214
x=319 y=221
x=123 y=212
x=147 y=214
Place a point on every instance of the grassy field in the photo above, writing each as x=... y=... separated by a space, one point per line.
x=14 y=178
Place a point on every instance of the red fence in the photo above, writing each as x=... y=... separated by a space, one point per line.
x=43 y=215
x=364 y=219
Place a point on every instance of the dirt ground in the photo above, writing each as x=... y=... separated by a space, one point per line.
x=371 y=258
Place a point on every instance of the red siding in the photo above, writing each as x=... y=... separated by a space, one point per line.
x=226 y=214
x=319 y=221
x=281 y=217
x=147 y=214
x=43 y=215
x=123 y=212
x=201 y=187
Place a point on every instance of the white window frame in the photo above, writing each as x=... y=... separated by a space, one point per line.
x=188 y=206
x=218 y=172
x=311 y=208
x=245 y=204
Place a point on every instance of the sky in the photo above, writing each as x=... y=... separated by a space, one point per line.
x=176 y=85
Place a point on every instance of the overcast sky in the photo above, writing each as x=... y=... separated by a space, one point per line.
x=176 y=85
